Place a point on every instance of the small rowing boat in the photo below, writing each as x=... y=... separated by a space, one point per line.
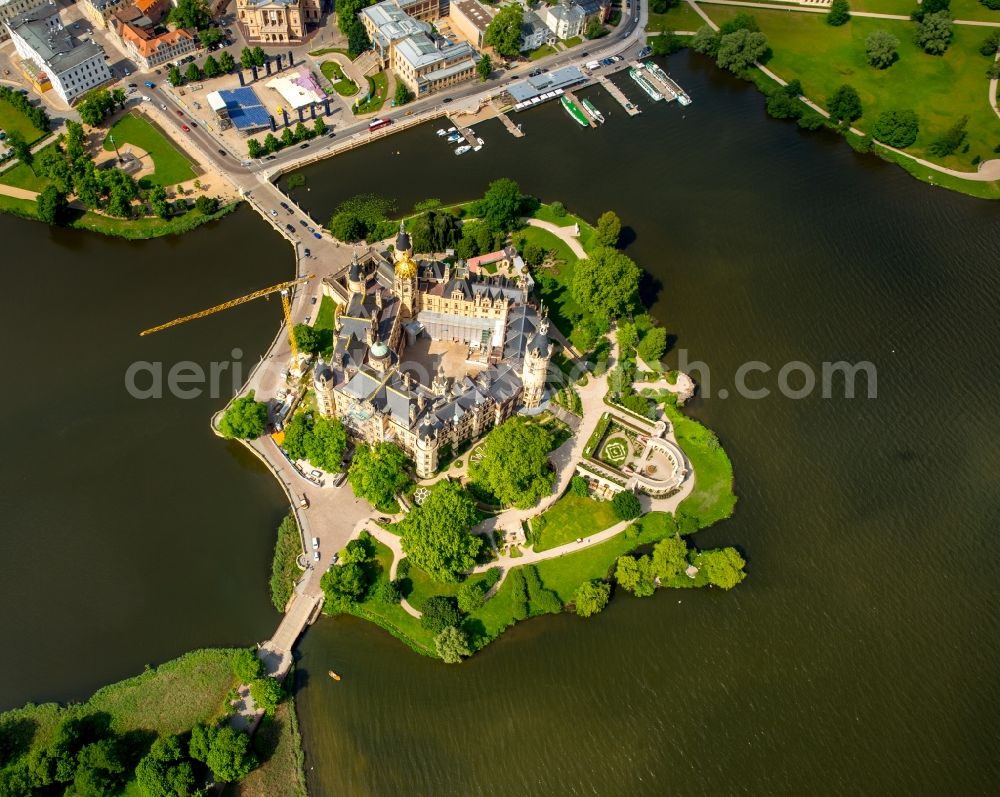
x=333 y=675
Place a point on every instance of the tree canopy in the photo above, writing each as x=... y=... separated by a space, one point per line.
x=439 y=612
x=934 y=32
x=844 y=104
x=840 y=13
x=653 y=345
x=190 y=14
x=435 y=231
x=626 y=505
x=515 y=463
x=344 y=584
x=724 y=566
x=591 y=597
x=245 y=418
x=484 y=67
x=246 y=666
x=607 y=283
x=267 y=693
x=165 y=771
x=378 y=472
x=500 y=207
x=436 y=534
x=609 y=229
x=503 y=33
x=452 y=645
x=896 y=128
x=880 y=49
x=740 y=49
x=321 y=441
x=224 y=750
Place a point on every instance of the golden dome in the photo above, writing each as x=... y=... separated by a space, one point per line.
x=405 y=268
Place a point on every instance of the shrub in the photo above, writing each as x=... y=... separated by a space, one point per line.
x=439 y=612
x=518 y=594
x=950 y=140
x=541 y=599
x=896 y=128
x=591 y=597
x=840 y=13
x=880 y=49
x=626 y=505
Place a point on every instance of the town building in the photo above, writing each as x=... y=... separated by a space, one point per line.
x=52 y=57
x=564 y=20
x=149 y=49
x=423 y=61
x=278 y=21
x=534 y=32
x=99 y=12
x=593 y=8
x=392 y=300
x=12 y=8
x=471 y=19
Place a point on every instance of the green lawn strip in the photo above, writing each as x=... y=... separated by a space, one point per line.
x=13 y=121
x=542 y=52
x=378 y=87
x=960 y=9
x=170 y=166
x=971 y=9
x=571 y=517
x=21 y=175
x=328 y=50
x=940 y=89
x=149 y=226
x=392 y=617
x=681 y=18
x=575 y=40
x=342 y=84
x=548 y=241
x=712 y=498
x=324 y=322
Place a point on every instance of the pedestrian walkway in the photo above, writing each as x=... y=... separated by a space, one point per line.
x=562 y=233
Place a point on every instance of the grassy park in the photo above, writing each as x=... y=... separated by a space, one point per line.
x=170 y=166
x=940 y=89
x=342 y=84
x=378 y=91
x=570 y=517
x=683 y=17
x=13 y=121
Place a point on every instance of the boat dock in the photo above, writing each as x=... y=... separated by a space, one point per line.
x=467 y=133
x=637 y=72
x=574 y=99
x=514 y=129
x=668 y=86
x=617 y=93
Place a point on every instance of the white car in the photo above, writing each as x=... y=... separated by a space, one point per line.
x=145 y=98
x=163 y=106
x=315 y=556
x=315 y=543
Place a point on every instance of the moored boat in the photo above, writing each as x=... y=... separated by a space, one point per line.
x=462 y=149
x=442 y=132
x=333 y=675
x=574 y=111
x=595 y=114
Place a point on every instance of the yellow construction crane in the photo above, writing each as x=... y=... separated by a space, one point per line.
x=283 y=288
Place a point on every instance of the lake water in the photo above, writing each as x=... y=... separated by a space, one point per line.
x=860 y=655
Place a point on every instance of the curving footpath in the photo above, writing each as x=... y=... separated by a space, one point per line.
x=562 y=233
x=826 y=10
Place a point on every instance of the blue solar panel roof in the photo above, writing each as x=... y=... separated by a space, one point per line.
x=245 y=109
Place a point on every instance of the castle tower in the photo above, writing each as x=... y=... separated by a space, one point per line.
x=405 y=280
x=323 y=380
x=354 y=281
x=426 y=459
x=536 y=365
x=440 y=384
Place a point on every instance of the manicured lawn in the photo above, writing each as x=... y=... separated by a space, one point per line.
x=940 y=89
x=571 y=517
x=572 y=42
x=545 y=213
x=324 y=321
x=547 y=241
x=542 y=52
x=22 y=176
x=326 y=50
x=170 y=166
x=681 y=18
x=13 y=121
x=342 y=84
x=378 y=86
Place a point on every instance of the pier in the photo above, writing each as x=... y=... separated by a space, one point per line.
x=668 y=86
x=514 y=129
x=576 y=101
x=619 y=95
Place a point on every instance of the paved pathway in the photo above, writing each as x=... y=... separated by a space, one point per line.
x=18 y=193
x=826 y=10
x=562 y=233
x=993 y=90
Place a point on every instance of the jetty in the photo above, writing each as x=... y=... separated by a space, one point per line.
x=619 y=95
x=667 y=85
x=637 y=73
x=514 y=129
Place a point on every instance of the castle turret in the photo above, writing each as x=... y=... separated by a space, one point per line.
x=536 y=365
x=354 y=281
x=405 y=279
x=440 y=384
x=426 y=459
x=323 y=381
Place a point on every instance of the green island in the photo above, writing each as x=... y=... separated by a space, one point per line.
x=914 y=89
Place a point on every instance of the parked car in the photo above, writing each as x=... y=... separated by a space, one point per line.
x=290 y=228
x=315 y=556
x=133 y=85
x=307 y=253
x=274 y=212
x=317 y=236
x=185 y=128
x=303 y=222
x=335 y=558
x=315 y=542
x=222 y=152
x=314 y=298
x=180 y=113
x=304 y=146
x=145 y=98
x=284 y=205
x=149 y=84
x=163 y=106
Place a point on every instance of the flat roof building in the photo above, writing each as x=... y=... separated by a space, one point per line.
x=472 y=19
x=72 y=67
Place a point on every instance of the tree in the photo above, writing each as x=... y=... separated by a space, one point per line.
x=880 y=49
x=212 y=68
x=301 y=133
x=653 y=345
x=245 y=418
x=230 y=757
x=100 y=769
x=667 y=43
x=387 y=592
x=896 y=128
x=741 y=21
x=377 y=473
x=206 y=205
x=740 y=49
x=452 y=645
x=591 y=597
x=267 y=693
x=594 y=29
x=635 y=575
x=308 y=338
x=669 y=557
x=579 y=487
x=259 y=56
x=845 y=104
x=934 y=32
x=165 y=771
x=439 y=612
x=158 y=201
x=705 y=41
x=271 y=144
x=287 y=137
x=609 y=229
x=435 y=231
x=436 y=534
x=210 y=36
x=174 y=76
x=500 y=207
x=21 y=149
x=607 y=283
x=991 y=4
x=781 y=104
x=118 y=97
x=226 y=62
x=357 y=40
x=319 y=126
x=503 y=33
x=515 y=480
x=193 y=72
x=484 y=67
x=990 y=44
x=663 y=6
x=950 y=140
x=52 y=205
x=724 y=566
x=344 y=584
x=321 y=441
x=246 y=667
x=403 y=94
x=360 y=550
x=840 y=13
x=246 y=58
x=929 y=7
x=626 y=505
x=190 y=14
x=470 y=595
